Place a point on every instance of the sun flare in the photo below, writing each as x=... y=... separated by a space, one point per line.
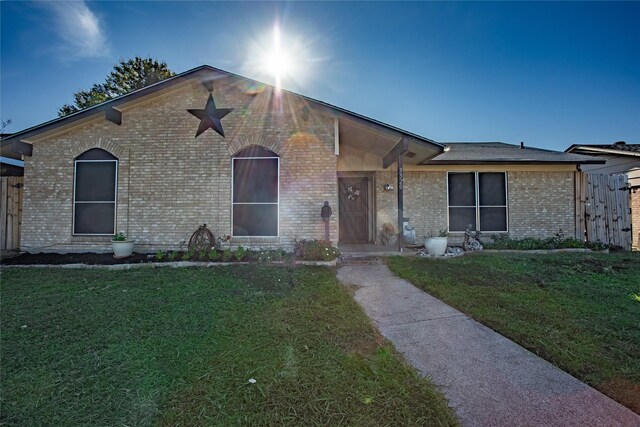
x=280 y=58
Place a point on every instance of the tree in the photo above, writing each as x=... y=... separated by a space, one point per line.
x=126 y=77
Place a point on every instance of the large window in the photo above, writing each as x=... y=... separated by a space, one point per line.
x=255 y=172
x=94 y=195
x=477 y=198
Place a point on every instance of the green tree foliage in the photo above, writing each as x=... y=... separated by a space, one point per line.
x=126 y=77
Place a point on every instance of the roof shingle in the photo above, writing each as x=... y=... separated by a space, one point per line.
x=499 y=152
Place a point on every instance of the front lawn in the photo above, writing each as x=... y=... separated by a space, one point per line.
x=576 y=310
x=180 y=346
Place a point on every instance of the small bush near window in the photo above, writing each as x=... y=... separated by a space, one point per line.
x=558 y=241
x=226 y=255
x=159 y=255
x=316 y=250
x=241 y=253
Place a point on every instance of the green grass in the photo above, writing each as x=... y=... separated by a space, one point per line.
x=178 y=347
x=575 y=310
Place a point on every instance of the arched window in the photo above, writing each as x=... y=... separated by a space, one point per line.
x=255 y=174
x=95 y=193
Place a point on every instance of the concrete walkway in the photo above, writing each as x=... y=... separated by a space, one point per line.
x=488 y=379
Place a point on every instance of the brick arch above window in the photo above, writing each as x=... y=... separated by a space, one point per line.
x=106 y=144
x=96 y=154
x=260 y=139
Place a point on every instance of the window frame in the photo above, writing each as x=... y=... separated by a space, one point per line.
x=477 y=198
x=277 y=203
x=115 y=196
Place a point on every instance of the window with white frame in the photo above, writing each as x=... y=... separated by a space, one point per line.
x=256 y=192
x=95 y=193
x=478 y=199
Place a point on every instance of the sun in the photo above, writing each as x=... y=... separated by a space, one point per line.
x=280 y=58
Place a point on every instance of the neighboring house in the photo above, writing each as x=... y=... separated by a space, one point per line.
x=621 y=158
x=11 y=164
x=259 y=164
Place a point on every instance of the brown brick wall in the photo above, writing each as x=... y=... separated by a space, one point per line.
x=170 y=182
x=540 y=203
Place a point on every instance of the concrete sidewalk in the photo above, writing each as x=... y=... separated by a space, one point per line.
x=488 y=379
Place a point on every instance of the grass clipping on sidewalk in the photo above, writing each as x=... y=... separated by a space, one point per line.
x=251 y=345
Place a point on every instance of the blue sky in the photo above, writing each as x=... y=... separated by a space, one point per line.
x=550 y=74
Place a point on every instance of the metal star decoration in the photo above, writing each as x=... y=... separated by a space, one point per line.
x=210 y=117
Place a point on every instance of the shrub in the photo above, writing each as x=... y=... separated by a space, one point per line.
x=172 y=256
x=316 y=250
x=270 y=255
x=187 y=255
x=226 y=255
x=558 y=241
x=159 y=255
x=214 y=255
x=241 y=253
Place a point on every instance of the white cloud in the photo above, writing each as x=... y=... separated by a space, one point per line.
x=79 y=29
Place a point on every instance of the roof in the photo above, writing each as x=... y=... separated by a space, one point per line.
x=202 y=71
x=619 y=148
x=461 y=153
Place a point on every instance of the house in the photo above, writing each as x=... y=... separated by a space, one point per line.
x=11 y=163
x=258 y=163
x=620 y=158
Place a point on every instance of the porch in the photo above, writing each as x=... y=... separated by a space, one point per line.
x=370 y=174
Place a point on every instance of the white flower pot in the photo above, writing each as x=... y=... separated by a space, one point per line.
x=435 y=246
x=122 y=249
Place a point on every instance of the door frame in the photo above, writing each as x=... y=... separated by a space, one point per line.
x=371 y=194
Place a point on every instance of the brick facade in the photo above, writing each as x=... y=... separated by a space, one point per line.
x=170 y=182
x=539 y=203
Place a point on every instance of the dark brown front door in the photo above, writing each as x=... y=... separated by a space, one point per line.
x=354 y=209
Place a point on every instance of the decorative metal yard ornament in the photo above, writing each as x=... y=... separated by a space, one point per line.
x=202 y=239
x=210 y=117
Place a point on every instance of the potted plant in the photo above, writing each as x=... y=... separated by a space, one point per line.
x=436 y=246
x=122 y=247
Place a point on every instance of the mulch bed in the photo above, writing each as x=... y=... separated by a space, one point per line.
x=75 y=258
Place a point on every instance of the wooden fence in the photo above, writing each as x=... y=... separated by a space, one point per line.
x=602 y=209
x=10 y=211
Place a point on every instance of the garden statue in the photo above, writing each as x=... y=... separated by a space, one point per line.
x=471 y=240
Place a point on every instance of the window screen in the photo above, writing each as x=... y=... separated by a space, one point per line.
x=462 y=189
x=462 y=201
x=94 y=194
x=492 y=189
x=478 y=199
x=255 y=193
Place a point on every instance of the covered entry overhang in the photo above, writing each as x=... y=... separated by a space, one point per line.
x=365 y=145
